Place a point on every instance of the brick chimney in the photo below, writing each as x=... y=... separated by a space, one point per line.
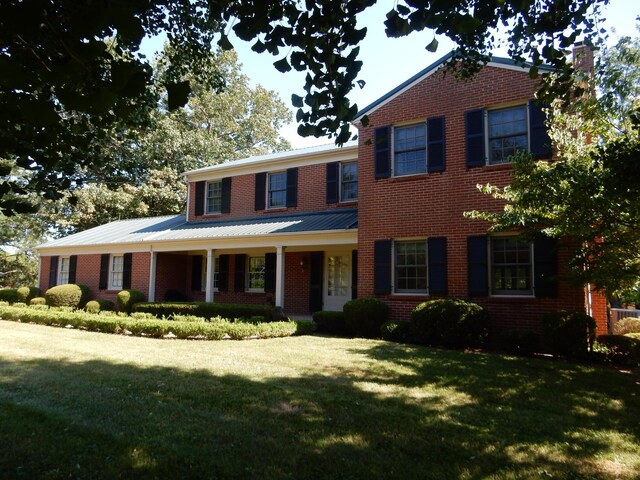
x=583 y=57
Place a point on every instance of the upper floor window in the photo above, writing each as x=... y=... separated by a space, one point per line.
x=63 y=270
x=409 y=150
x=214 y=197
x=116 y=272
x=348 y=181
x=256 y=274
x=507 y=133
x=277 y=190
x=511 y=266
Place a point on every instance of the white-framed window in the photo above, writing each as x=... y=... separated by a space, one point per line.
x=214 y=197
x=63 y=270
x=410 y=266
x=507 y=133
x=277 y=190
x=338 y=275
x=410 y=150
x=511 y=270
x=256 y=274
x=348 y=181
x=216 y=271
x=116 y=272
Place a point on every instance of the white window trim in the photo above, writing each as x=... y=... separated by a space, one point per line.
x=393 y=149
x=206 y=199
x=394 y=290
x=248 y=289
x=216 y=270
x=355 y=162
x=60 y=271
x=487 y=149
x=111 y=285
x=268 y=191
x=490 y=270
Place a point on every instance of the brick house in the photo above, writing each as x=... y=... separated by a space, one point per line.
x=313 y=228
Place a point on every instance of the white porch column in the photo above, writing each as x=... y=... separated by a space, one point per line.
x=152 y=275
x=211 y=268
x=280 y=276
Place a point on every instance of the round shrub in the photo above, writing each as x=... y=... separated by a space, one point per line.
x=568 y=333
x=128 y=298
x=620 y=348
x=364 y=316
x=396 y=331
x=71 y=295
x=449 y=322
x=25 y=294
x=38 y=301
x=521 y=342
x=330 y=322
x=98 y=305
x=9 y=295
x=627 y=325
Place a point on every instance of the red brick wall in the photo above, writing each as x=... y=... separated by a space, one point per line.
x=311 y=196
x=433 y=204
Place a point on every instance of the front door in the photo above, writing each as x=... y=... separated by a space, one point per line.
x=337 y=280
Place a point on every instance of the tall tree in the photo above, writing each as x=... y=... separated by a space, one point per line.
x=590 y=197
x=71 y=72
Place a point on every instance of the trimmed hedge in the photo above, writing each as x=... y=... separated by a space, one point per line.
x=449 y=322
x=128 y=298
x=330 y=322
x=622 y=349
x=99 y=305
x=364 y=316
x=627 y=325
x=38 y=301
x=210 y=310
x=214 y=330
x=521 y=342
x=71 y=295
x=396 y=331
x=570 y=334
x=25 y=294
x=9 y=295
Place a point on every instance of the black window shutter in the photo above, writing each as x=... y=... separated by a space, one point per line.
x=240 y=272
x=382 y=152
x=435 y=145
x=477 y=258
x=437 y=251
x=382 y=267
x=196 y=273
x=545 y=267
x=539 y=139
x=53 y=271
x=225 y=204
x=200 y=187
x=270 y=260
x=73 y=267
x=354 y=274
x=104 y=271
x=292 y=187
x=474 y=127
x=315 y=281
x=223 y=273
x=127 y=261
x=261 y=192
x=333 y=184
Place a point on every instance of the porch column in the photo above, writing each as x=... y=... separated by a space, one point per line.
x=280 y=276
x=211 y=268
x=152 y=276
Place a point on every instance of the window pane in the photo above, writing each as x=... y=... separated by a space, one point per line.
x=409 y=150
x=338 y=276
x=277 y=189
x=349 y=182
x=214 y=197
x=507 y=133
x=411 y=266
x=256 y=272
x=511 y=266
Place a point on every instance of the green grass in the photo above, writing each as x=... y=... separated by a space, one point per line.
x=86 y=405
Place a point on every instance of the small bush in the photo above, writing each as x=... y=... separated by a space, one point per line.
x=99 y=305
x=449 y=322
x=128 y=298
x=38 y=301
x=396 y=331
x=330 y=322
x=364 y=316
x=69 y=295
x=9 y=295
x=627 y=325
x=25 y=294
x=619 y=349
x=633 y=335
x=521 y=342
x=570 y=334
x=186 y=318
x=38 y=307
x=210 y=310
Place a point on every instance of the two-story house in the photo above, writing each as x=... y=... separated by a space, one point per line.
x=310 y=229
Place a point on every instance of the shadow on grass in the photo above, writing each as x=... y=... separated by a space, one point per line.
x=418 y=413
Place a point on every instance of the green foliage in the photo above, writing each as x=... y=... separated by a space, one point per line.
x=627 y=325
x=517 y=341
x=210 y=310
x=330 y=322
x=396 y=331
x=99 y=305
x=364 y=316
x=25 y=294
x=9 y=295
x=619 y=349
x=127 y=299
x=570 y=334
x=38 y=301
x=19 y=235
x=449 y=322
x=70 y=295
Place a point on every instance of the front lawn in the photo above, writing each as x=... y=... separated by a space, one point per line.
x=77 y=404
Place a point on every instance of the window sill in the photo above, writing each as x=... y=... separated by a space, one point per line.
x=491 y=168
x=348 y=202
x=254 y=290
x=521 y=296
x=408 y=296
x=405 y=178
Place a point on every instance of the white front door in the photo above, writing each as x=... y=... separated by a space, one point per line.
x=337 y=283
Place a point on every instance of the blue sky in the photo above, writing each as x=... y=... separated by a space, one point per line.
x=387 y=61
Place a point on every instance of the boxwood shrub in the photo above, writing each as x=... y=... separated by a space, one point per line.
x=38 y=301
x=331 y=322
x=627 y=325
x=449 y=322
x=71 y=295
x=570 y=334
x=518 y=341
x=99 y=305
x=210 y=310
x=128 y=298
x=9 y=295
x=621 y=349
x=25 y=294
x=364 y=316
x=396 y=331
